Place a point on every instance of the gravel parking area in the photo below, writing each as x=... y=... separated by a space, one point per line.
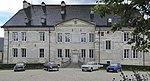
x=64 y=74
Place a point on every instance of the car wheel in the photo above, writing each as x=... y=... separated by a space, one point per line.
x=82 y=70
x=91 y=69
x=107 y=70
x=57 y=69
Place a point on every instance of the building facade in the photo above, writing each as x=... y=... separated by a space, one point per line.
x=62 y=33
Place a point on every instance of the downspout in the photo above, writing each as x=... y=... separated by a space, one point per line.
x=8 y=48
x=49 y=45
x=99 y=47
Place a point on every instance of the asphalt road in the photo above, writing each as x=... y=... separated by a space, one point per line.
x=64 y=74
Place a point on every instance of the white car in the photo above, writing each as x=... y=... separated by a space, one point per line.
x=90 y=66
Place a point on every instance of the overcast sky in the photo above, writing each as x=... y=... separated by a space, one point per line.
x=9 y=7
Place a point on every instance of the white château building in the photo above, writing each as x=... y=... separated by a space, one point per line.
x=67 y=34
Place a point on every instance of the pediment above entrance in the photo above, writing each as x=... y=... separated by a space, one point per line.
x=75 y=22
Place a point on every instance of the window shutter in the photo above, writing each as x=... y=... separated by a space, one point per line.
x=122 y=36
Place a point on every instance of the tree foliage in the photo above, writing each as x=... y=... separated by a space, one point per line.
x=134 y=14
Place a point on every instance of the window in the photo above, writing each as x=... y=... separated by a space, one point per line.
x=102 y=33
x=91 y=53
x=59 y=52
x=134 y=54
x=67 y=53
x=42 y=36
x=59 y=37
x=23 y=35
x=67 y=37
x=15 y=36
x=83 y=53
x=108 y=44
x=15 y=52
x=23 y=52
x=126 y=53
x=126 y=36
x=91 y=37
x=41 y=52
x=83 y=37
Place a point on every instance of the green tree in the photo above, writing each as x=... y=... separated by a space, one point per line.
x=134 y=14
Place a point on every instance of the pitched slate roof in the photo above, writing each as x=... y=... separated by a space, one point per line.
x=1 y=44
x=53 y=16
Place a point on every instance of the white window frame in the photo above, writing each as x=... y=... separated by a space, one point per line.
x=15 y=52
x=67 y=37
x=91 y=53
x=59 y=37
x=41 y=52
x=59 y=52
x=23 y=52
x=126 y=53
x=134 y=54
x=67 y=53
x=23 y=36
x=91 y=37
x=108 y=44
x=42 y=36
x=15 y=36
x=83 y=37
x=83 y=53
x=126 y=36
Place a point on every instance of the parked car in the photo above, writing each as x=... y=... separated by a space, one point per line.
x=114 y=67
x=51 y=66
x=90 y=66
x=20 y=66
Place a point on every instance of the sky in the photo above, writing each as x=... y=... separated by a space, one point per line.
x=10 y=7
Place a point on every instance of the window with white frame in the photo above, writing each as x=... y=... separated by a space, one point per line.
x=23 y=36
x=83 y=53
x=15 y=36
x=102 y=33
x=23 y=52
x=91 y=37
x=126 y=53
x=41 y=51
x=134 y=54
x=42 y=36
x=59 y=52
x=108 y=44
x=67 y=37
x=83 y=37
x=126 y=36
x=67 y=53
x=91 y=53
x=59 y=37
x=15 y=52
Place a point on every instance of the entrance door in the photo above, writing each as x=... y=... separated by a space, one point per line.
x=75 y=58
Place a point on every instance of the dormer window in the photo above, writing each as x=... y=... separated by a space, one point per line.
x=109 y=21
x=63 y=4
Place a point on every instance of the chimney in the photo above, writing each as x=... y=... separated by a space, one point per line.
x=109 y=21
x=27 y=10
x=63 y=10
x=91 y=15
x=43 y=5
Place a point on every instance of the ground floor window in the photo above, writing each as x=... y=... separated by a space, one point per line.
x=91 y=53
x=15 y=52
x=41 y=52
x=23 y=52
x=67 y=53
x=126 y=53
x=83 y=53
x=59 y=52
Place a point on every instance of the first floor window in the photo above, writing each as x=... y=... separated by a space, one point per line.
x=83 y=37
x=134 y=54
x=67 y=37
x=83 y=53
x=126 y=53
x=126 y=36
x=15 y=36
x=59 y=37
x=15 y=52
x=67 y=53
x=91 y=53
x=42 y=36
x=23 y=51
x=91 y=37
x=23 y=36
x=108 y=45
x=59 y=52
x=41 y=52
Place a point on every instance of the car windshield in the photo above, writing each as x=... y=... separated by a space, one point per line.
x=19 y=64
x=113 y=64
x=90 y=63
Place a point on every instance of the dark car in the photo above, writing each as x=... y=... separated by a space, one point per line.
x=115 y=67
x=20 y=66
x=51 y=66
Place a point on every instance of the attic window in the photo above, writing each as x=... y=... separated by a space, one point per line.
x=109 y=20
x=75 y=22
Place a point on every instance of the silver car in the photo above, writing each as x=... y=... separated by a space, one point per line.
x=20 y=66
